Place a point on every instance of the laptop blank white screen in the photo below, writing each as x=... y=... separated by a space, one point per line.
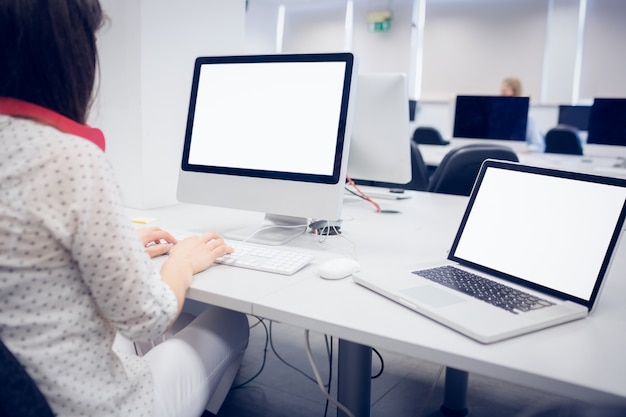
x=551 y=231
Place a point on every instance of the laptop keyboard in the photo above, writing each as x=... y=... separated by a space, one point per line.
x=484 y=289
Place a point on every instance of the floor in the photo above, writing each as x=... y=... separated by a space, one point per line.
x=276 y=379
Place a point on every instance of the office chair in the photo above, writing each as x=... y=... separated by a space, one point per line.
x=458 y=169
x=428 y=136
x=563 y=139
x=19 y=396
x=419 y=171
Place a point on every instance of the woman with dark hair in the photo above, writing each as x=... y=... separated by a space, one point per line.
x=74 y=275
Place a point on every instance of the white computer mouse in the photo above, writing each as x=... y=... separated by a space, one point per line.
x=337 y=268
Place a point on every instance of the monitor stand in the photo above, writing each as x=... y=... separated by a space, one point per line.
x=274 y=231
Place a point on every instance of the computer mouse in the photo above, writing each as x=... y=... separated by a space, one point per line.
x=337 y=268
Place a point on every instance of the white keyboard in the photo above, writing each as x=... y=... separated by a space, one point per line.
x=264 y=258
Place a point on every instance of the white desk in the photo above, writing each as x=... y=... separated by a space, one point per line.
x=585 y=359
x=597 y=159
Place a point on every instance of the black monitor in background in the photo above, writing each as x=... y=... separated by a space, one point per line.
x=607 y=122
x=491 y=117
x=412 y=107
x=576 y=116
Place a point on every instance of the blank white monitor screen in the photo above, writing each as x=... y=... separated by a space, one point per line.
x=380 y=149
x=269 y=133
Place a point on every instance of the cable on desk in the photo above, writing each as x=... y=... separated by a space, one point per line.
x=325 y=228
x=360 y=193
x=318 y=378
x=264 y=354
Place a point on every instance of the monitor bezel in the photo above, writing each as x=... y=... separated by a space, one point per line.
x=334 y=178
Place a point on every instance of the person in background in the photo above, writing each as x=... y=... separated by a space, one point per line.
x=512 y=87
x=76 y=279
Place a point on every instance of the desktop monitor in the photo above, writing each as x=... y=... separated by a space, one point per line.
x=575 y=116
x=491 y=117
x=380 y=149
x=271 y=134
x=607 y=122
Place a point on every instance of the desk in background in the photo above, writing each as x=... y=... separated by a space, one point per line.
x=597 y=159
x=585 y=360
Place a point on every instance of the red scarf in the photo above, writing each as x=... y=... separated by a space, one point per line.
x=14 y=107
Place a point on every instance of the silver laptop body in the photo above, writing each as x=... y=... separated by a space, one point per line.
x=547 y=232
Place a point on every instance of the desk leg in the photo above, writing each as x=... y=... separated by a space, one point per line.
x=455 y=394
x=354 y=379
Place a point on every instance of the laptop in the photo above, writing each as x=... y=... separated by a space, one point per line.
x=547 y=233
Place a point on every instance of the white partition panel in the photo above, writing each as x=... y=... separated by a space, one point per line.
x=147 y=52
x=604 y=61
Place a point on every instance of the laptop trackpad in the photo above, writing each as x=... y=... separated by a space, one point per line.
x=432 y=296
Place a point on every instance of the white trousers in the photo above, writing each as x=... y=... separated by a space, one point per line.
x=194 y=369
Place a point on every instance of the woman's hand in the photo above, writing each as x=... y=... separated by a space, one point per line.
x=156 y=241
x=188 y=257
x=199 y=252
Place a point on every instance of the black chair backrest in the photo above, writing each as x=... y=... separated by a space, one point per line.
x=419 y=171
x=563 y=139
x=19 y=395
x=458 y=169
x=428 y=136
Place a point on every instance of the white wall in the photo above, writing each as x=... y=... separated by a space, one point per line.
x=314 y=27
x=147 y=53
x=260 y=27
x=469 y=46
x=383 y=51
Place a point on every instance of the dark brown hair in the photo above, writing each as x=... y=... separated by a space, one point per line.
x=48 y=53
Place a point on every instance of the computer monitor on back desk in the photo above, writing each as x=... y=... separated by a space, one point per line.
x=271 y=134
x=607 y=122
x=491 y=117
x=575 y=116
